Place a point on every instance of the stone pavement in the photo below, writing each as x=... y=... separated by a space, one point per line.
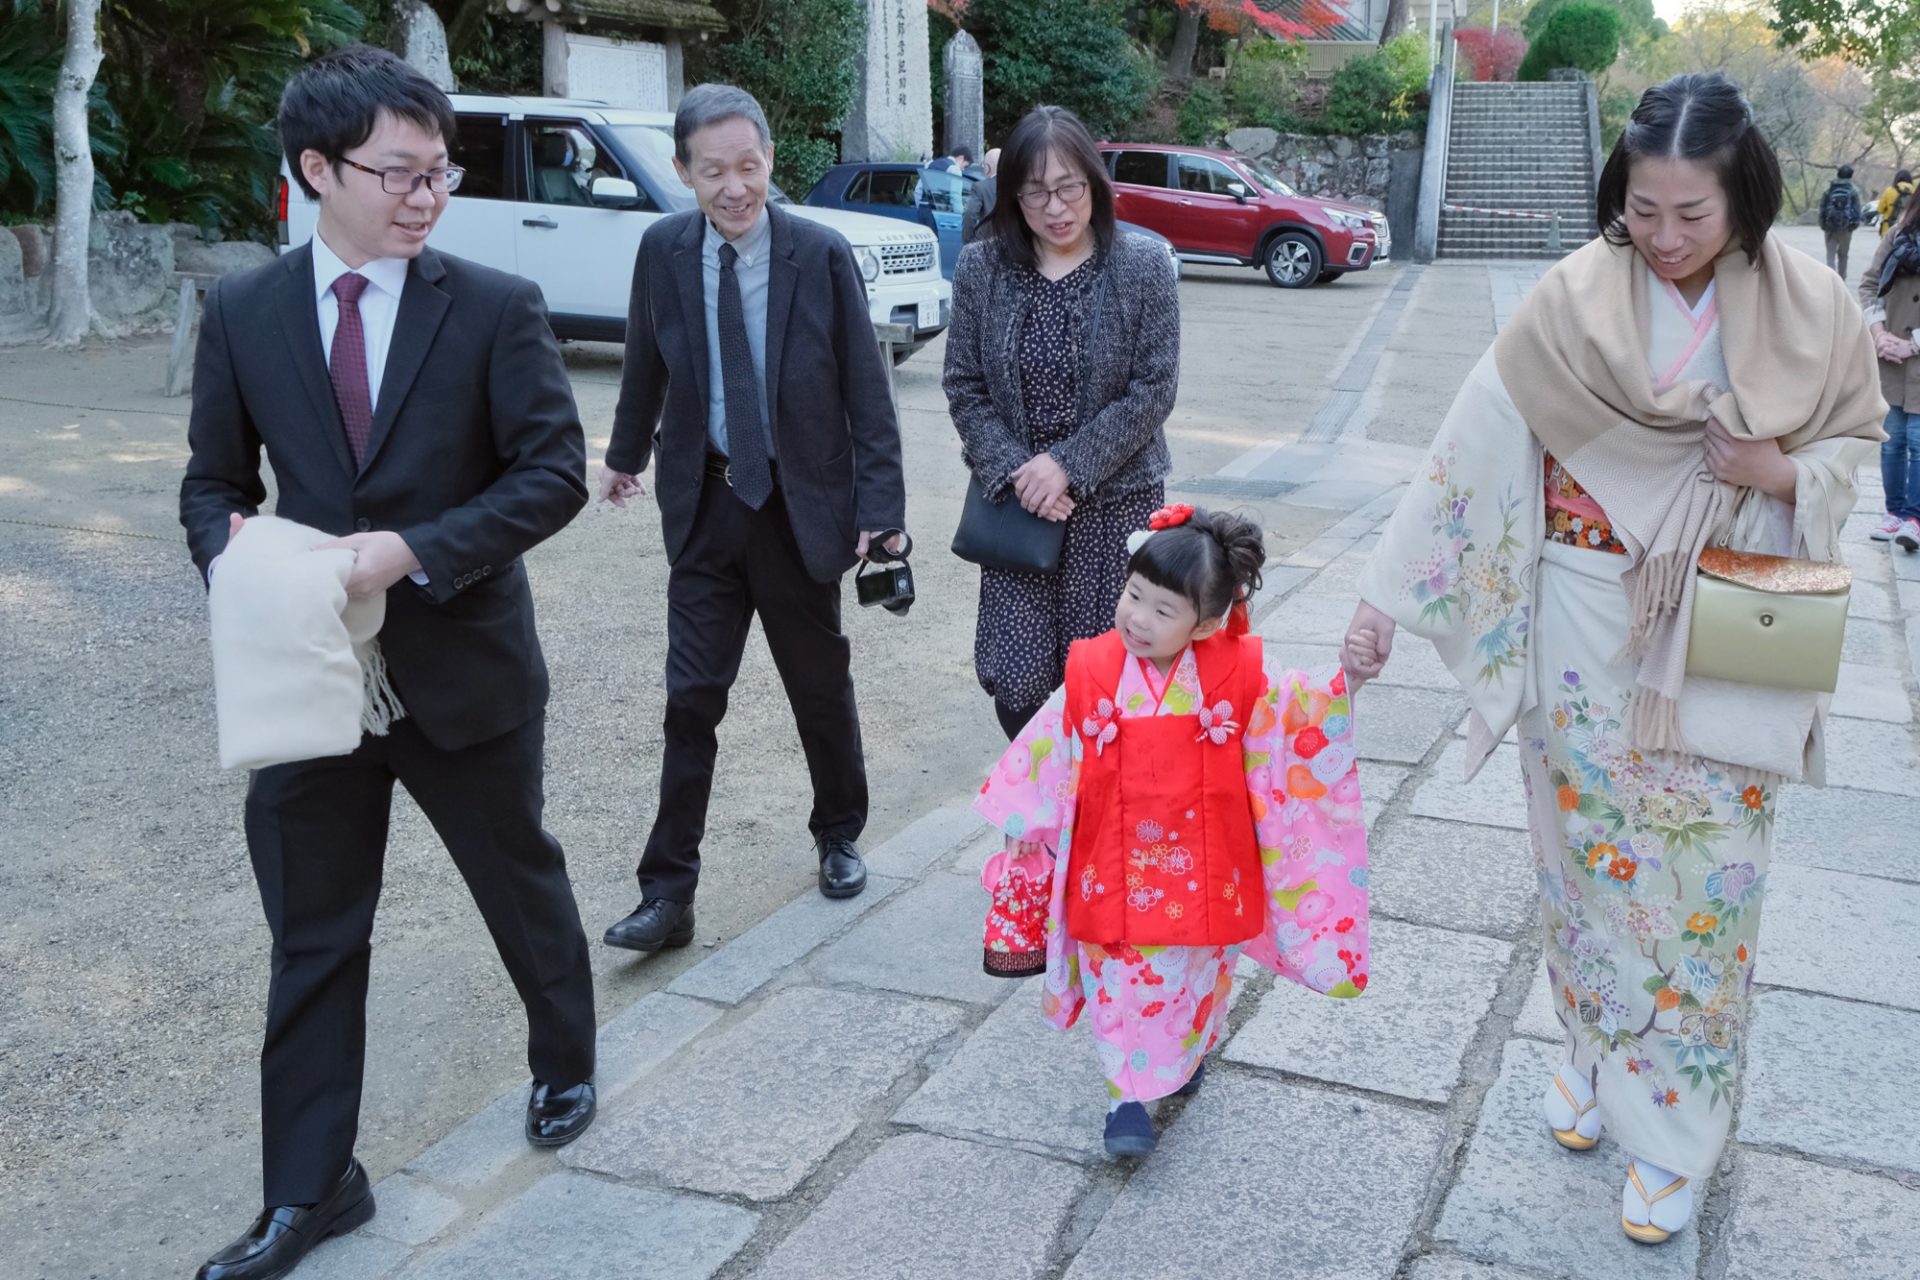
x=840 y=1093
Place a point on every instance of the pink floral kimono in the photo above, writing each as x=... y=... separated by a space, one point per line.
x=1159 y=1010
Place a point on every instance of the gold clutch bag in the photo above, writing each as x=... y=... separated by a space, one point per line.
x=1768 y=620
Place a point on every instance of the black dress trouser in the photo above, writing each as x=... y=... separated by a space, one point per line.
x=739 y=562
x=317 y=831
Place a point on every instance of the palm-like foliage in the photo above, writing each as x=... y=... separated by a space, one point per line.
x=31 y=47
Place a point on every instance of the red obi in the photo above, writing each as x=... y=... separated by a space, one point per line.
x=1163 y=850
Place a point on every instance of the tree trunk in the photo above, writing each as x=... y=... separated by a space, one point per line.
x=1186 y=42
x=72 y=313
x=1396 y=20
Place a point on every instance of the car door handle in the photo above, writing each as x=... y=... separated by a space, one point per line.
x=548 y=223
x=1189 y=203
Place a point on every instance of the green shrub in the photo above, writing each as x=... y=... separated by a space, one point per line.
x=1580 y=35
x=1264 y=86
x=1366 y=97
x=1203 y=116
x=1406 y=56
x=1071 y=53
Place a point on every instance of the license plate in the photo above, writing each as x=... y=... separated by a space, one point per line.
x=930 y=313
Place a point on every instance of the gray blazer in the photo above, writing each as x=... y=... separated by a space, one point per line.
x=1129 y=371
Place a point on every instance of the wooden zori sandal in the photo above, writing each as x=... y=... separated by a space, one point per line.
x=1646 y=1232
x=1571 y=1138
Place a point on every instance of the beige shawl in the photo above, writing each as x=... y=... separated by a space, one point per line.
x=1574 y=359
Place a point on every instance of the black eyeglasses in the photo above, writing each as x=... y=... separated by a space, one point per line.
x=1041 y=197
x=404 y=182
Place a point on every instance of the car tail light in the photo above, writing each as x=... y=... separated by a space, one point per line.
x=281 y=212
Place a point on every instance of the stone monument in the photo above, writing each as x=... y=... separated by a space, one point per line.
x=419 y=38
x=966 y=105
x=892 y=118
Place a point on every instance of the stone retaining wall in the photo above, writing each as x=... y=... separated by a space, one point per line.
x=1381 y=170
x=131 y=269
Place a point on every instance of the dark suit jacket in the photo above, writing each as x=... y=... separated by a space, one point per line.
x=977 y=213
x=828 y=396
x=476 y=456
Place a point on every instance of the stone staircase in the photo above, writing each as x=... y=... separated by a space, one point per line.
x=1522 y=147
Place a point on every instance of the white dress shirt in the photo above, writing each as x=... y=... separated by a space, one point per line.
x=379 y=307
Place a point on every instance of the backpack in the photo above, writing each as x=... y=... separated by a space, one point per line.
x=1836 y=211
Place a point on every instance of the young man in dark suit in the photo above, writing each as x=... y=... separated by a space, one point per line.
x=416 y=405
x=752 y=369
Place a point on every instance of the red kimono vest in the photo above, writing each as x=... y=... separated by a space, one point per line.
x=1163 y=850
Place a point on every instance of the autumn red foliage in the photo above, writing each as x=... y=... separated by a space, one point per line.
x=1494 y=55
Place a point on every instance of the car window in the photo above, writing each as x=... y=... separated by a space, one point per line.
x=944 y=192
x=1209 y=177
x=565 y=161
x=1141 y=168
x=894 y=187
x=480 y=147
x=1266 y=177
x=651 y=147
x=861 y=192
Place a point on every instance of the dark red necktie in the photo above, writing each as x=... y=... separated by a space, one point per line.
x=347 y=365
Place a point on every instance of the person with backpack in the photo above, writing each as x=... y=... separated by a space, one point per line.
x=1893 y=201
x=1840 y=214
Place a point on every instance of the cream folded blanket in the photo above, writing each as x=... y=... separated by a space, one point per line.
x=297 y=671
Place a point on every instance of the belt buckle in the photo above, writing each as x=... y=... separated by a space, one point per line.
x=726 y=473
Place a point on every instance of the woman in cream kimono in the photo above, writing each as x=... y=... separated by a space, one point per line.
x=1684 y=381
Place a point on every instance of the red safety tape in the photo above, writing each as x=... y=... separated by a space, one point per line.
x=1505 y=213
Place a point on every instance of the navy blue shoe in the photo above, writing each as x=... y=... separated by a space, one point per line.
x=1192 y=1086
x=1130 y=1131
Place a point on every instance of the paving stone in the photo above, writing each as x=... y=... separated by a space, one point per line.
x=1522 y=1200
x=643 y=1036
x=1017 y=1079
x=1876 y=644
x=1870 y=563
x=1872 y=693
x=1873 y=601
x=925 y=841
x=359 y=1256
x=1225 y=1194
x=1448 y=1267
x=1379 y=784
x=1832 y=1078
x=1869 y=756
x=1311 y=619
x=741 y=967
x=926 y=941
x=481 y=1147
x=583 y=1228
x=1536 y=1019
x=753 y=1108
x=1909 y=595
x=409 y=1210
x=1865 y=832
x=1455 y=875
x=1494 y=798
x=1414 y=664
x=1402 y=724
x=1428 y=991
x=1906 y=565
x=934 y=1209
x=1842 y=935
x=1868 y=1227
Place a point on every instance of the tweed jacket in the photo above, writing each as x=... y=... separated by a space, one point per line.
x=1899 y=310
x=1129 y=371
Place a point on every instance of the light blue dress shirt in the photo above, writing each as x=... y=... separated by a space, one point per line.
x=752 y=268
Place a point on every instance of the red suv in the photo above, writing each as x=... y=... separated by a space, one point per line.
x=1219 y=206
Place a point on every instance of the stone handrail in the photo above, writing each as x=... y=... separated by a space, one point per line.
x=1433 y=167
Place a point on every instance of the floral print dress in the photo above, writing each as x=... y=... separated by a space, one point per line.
x=1157 y=1011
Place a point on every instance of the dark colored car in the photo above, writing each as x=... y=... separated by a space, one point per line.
x=1221 y=207
x=934 y=198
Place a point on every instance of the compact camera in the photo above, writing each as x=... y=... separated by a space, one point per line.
x=886 y=579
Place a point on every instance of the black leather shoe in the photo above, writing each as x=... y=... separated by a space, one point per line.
x=555 y=1119
x=654 y=924
x=284 y=1234
x=842 y=874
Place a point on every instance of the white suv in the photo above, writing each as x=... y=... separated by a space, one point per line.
x=560 y=191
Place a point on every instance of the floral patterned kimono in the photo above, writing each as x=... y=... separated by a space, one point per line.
x=1159 y=1010
x=1652 y=867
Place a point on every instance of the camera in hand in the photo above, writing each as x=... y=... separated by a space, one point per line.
x=886 y=579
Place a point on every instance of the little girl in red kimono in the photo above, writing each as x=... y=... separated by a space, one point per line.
x=1201 y=803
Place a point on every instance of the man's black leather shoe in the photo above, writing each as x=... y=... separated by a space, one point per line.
x=555 y=1119
x=284 y=1234
x=654 y=924
x=842 y=874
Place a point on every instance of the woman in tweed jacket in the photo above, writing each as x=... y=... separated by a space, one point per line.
x=1062 y=363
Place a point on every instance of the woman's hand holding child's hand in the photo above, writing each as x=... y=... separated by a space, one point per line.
x=1368 y=646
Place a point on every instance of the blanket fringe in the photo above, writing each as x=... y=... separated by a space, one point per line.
x=1655 y=592
x=1653 y=722
x=381 y=705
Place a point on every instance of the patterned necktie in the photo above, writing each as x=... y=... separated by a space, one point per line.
x=347 y=365
x=746 y=436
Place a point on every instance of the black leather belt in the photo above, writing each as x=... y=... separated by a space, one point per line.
x=719 y=465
